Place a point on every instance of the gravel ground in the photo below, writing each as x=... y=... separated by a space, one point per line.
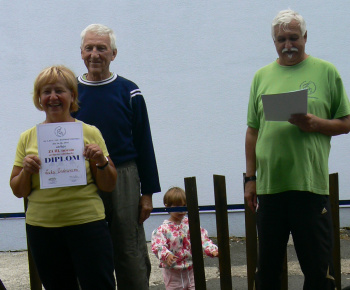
x=14 y=271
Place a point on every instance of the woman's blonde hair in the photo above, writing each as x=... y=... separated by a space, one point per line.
x=50 y=75
x=174 y=196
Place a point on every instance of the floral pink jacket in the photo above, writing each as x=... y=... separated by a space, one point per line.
x=170 y=238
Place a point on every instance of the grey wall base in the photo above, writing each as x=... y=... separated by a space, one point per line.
x=13 y=236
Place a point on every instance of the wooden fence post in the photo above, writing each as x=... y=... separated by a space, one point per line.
x=222 y=232
x=251 y=243
x=195 y=233
x=284 y=277
x=334 y=201
x=35 y=282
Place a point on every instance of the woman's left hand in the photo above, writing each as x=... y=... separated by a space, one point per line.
x=102 y=168
x=94 y=152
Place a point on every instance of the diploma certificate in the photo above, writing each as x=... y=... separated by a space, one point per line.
x=60 y=147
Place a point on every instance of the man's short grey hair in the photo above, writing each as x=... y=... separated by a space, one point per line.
x=284 y=17
x=101 y=30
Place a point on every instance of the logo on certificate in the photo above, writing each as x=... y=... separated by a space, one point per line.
x=60 y=131
x=52 y=180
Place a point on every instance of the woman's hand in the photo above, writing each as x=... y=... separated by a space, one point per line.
x=20 y=180
x=102 y=168
x=94 y=152
x=31 y=164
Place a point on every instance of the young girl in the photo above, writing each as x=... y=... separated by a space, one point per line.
x=171 y=244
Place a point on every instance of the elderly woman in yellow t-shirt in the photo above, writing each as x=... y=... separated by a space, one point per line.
x=66 y=230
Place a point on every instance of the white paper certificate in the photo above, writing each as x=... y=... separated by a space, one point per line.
x=60 y=147
x=280 y=107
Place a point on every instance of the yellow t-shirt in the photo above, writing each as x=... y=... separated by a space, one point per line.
x=63 y=206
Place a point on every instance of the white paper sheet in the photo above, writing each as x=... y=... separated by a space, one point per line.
x=280 y=107
x=60 y=147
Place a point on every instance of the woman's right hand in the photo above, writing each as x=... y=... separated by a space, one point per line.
x=20 y=180
x=31 y=164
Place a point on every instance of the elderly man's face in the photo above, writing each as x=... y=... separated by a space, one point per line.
x=97 y=55
x=290 y=44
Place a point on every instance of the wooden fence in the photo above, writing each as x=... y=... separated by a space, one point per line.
x=221 y=209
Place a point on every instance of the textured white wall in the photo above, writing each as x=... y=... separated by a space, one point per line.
x=193 y=60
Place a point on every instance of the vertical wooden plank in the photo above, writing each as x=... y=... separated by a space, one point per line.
x=251 y=243
x=195 y=233
x=35 y=282
x=222 y=232
x=284 y=281
x=334 y=201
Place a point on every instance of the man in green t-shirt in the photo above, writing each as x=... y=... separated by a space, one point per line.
x=290 y=159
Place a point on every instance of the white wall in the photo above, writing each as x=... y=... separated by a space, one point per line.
x=193 y=60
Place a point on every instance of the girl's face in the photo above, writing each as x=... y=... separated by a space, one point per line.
x=176 y=216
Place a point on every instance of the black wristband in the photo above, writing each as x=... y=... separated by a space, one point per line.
x=250 y=178
x=103 y=166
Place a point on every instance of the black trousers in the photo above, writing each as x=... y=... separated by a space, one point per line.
x=68 y=254
x=307 y=216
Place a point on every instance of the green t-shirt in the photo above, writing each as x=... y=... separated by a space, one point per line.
x=63 y=206
x=286 y=157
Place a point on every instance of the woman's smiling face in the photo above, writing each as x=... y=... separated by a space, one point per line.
x=56 y=100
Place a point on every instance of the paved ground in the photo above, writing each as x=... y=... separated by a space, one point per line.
x=14 y=268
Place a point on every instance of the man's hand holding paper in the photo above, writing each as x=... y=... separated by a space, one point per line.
x=307 y=123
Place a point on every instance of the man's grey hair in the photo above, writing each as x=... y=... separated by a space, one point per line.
x=284 y=17
x=101 y=30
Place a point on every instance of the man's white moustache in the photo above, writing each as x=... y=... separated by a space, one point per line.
x=289 y=50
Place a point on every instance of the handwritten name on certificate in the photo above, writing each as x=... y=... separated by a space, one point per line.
x=60 y=147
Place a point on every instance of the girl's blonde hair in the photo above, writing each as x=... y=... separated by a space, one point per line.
x=174 y=196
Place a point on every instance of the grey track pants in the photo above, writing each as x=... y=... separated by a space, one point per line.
x=132 y=264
